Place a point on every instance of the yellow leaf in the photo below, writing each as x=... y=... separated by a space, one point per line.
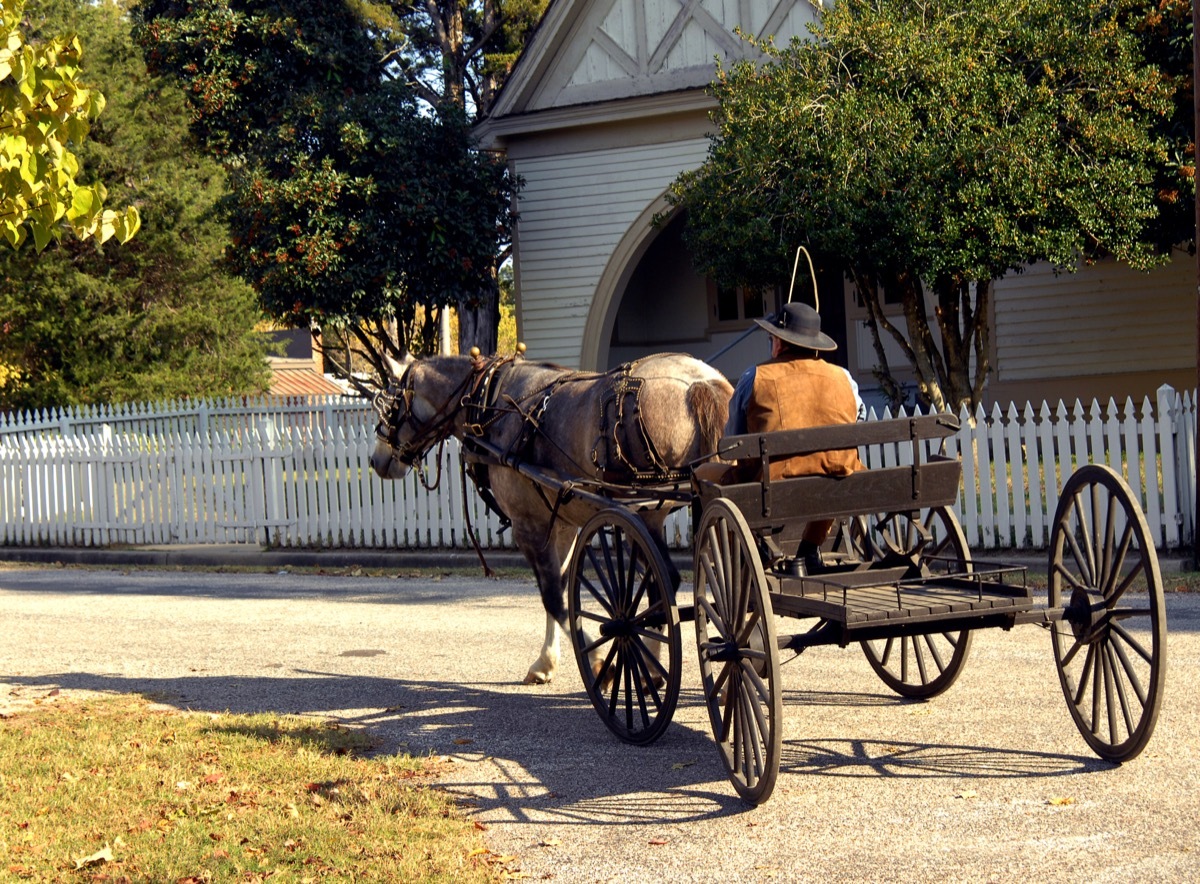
x=967 y=793
x=1059 y=801
x=680 y=765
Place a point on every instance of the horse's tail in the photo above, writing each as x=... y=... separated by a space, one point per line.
x=709 y=401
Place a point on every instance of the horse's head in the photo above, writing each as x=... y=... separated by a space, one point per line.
x=417 y=411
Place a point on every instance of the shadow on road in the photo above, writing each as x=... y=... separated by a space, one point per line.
x=542 y=754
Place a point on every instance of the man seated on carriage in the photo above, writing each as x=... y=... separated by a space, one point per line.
x=793 y=390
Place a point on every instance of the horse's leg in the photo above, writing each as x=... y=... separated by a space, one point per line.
x=550 y=558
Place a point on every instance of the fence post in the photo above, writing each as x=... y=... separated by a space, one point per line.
x=1177 y=498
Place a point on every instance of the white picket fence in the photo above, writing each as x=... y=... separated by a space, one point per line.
x=292 y=474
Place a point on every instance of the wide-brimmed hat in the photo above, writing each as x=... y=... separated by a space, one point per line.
x=798 y=324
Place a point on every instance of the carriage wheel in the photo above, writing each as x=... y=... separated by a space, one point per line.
x=1111 y=644
x=739 y=660
x=625 y=626
x=920 y=666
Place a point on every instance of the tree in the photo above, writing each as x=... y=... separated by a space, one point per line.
x=456 y=54
x=356 y=203
x=934 y=147
x=158 y=317
x=45 y=111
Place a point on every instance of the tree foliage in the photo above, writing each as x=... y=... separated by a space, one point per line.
x=934 y=147
x=357 y=198
x=45 y=113
x=159 y=317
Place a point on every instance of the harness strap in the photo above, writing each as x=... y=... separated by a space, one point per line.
x=487 y=569
x=624 y=450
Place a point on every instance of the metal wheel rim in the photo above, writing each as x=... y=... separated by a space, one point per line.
x=622 y=614
x=739 y=659
x=1111 y=663
x=920 y=666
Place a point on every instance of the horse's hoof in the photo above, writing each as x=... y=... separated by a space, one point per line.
x=532 y=677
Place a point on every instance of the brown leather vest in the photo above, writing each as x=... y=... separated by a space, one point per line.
x=793 y=393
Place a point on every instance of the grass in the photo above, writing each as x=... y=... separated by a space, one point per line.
x=118 y=790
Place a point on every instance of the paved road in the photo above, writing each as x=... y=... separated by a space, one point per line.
x=872 y=788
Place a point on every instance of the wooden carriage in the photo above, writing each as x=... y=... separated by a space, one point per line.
x=896 y=578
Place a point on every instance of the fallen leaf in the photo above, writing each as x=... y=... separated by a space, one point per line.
x=480 y=826
x=657 y=842
x=463 y=741
x=680 y=765
x=211 y=778
x=104 y=855
x=549 y=842
x=183 y=785
x=967 y=793
x=1059 y=801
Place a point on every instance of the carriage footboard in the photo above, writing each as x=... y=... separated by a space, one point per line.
x=878 y=602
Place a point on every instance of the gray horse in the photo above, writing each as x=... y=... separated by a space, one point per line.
x=641 y=422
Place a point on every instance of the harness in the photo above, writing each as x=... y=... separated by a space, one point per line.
x=623 y=453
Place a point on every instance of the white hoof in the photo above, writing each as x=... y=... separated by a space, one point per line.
x=534 y=676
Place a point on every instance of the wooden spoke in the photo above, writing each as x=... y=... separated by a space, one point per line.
x=624 y=625
x=919 y=667
x=1104 y=577
x=739 y=658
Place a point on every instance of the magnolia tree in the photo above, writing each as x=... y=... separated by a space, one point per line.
x=44 y=111
x=358 y=201
x=931 y=148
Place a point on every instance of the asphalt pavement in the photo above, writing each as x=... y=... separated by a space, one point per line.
x=988 y=782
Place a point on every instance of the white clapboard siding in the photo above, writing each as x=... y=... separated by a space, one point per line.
x=1051 y=325
x=560 y=262
x=305 y=481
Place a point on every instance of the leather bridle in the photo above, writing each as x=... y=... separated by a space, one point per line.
x=394 y=407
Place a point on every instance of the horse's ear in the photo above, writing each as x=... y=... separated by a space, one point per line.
x=396 y=368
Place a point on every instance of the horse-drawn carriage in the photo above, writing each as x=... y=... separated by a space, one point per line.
x=896 y=578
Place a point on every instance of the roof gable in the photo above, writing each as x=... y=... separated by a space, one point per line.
x=586 y=51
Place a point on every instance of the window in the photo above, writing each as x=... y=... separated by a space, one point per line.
x=734 y=307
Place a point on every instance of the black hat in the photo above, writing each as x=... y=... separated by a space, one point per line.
x=798 y=324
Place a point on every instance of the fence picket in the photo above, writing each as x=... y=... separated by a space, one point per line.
x=1036 y=524
x=1000 y=478
x=1150 y=462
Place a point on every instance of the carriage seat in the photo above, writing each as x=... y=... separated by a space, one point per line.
x=781 y=508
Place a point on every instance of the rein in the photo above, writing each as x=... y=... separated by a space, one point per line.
x=395 y=412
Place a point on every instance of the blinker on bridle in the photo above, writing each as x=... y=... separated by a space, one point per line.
x=395 y=411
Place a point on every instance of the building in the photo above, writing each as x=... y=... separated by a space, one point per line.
x=608 y=104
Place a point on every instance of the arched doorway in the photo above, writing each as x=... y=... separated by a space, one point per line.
x=651 y=299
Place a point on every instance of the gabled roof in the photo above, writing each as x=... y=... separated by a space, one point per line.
x=585 y=52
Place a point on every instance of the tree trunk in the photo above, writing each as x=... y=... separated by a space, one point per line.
x=478 y=320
